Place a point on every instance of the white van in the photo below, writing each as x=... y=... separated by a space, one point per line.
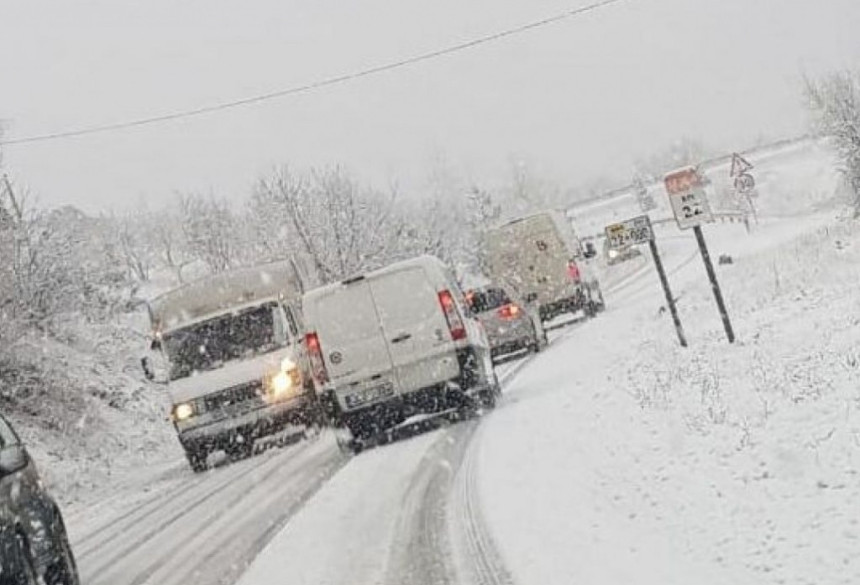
x=232 y=353
x=540 y=256
x=396 y=342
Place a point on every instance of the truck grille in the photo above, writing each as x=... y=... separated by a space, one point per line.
x=234 y=395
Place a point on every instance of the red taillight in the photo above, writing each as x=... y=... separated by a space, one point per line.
x=510 y=311
x=573 y=271
x=452 y=315
x=315 y=356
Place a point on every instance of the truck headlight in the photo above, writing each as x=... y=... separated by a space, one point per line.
x=285 y=382
x=183 y=411
x=280 y=384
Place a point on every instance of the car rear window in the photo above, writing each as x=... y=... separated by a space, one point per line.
x=487 y=299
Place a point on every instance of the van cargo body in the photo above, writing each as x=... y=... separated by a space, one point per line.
x=395 y=342
x=540 y=257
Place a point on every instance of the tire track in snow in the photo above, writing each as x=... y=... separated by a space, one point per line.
x=119 y=524
x=160 y=521
x=423 y=553
x=486 y=566
x=211 y=533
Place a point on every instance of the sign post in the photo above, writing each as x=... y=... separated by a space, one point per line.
x=639 y=231
x=690 y=205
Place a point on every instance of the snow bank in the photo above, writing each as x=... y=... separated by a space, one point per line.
x=644 y=463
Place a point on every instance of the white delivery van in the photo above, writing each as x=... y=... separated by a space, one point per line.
x=233 y=354
x=396 y=342
x=540 y=256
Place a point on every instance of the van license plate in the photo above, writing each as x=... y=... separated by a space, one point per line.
x=369 y=395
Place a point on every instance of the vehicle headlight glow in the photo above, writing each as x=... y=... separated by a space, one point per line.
x=613 y=253
x=284 y=383
x=183 y=411
x=280 y=384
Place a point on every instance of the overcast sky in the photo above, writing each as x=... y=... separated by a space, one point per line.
x=578 y=99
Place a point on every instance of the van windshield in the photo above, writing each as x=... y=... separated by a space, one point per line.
x=210 y=344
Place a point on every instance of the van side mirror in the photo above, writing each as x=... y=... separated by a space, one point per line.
x=13 y=459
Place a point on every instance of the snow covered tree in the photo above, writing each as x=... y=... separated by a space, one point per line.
x=339 y=226
x=835 y=104
x=209 y=231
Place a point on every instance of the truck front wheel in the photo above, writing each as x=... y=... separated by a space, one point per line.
x=197 y=459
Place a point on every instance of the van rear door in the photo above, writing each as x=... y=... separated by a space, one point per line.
x=353 y=345
x=419 y=341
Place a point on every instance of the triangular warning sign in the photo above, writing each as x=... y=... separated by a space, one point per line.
x=740 y=165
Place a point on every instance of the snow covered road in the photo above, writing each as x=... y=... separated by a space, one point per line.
x=201 y=529
x=175 y=527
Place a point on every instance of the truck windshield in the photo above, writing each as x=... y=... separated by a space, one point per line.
x=208 y=345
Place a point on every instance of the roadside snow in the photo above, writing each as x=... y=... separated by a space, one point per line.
x=620 y=458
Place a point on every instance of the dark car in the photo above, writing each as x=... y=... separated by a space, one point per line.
x=511 y=324
x=34 y=546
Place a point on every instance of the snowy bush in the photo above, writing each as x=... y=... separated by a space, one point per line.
x=835 y=104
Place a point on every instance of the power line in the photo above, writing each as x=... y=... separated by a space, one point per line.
x=337 y=80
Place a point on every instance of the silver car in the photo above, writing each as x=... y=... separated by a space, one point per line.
x=512 y=325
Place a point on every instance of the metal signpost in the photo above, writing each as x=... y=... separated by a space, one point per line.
x=639 y=231
x=690 y=205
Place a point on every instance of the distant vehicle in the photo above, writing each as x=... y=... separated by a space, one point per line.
x=511 y=324
x=393 y=343
x=541 y=257
x=34 y=546
x=618 y=255
x=235 y=354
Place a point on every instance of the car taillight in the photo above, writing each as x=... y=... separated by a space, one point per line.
x=315 y=356
x=573 y=271
x=510 y=311
x=452 y=315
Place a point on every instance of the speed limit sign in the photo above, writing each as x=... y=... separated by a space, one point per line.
x=687 y=197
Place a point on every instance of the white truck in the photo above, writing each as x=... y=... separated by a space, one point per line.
x=540 y=256
x=231 y=351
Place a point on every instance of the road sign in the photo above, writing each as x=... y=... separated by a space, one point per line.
x=630 y=233
x=740 y=165
x=744 y=183
x=687 y=197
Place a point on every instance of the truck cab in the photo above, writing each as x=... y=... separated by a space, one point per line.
x=233 y=355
